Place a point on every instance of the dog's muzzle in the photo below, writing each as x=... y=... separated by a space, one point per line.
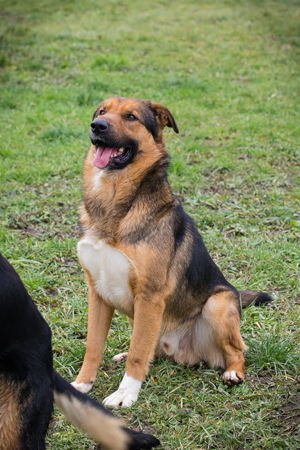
x=99 y=126
x=110 y=152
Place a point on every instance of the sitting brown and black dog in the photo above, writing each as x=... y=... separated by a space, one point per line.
x=142 y=255
x=29 y=384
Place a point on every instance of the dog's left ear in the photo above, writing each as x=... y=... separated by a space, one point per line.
x=164 y=116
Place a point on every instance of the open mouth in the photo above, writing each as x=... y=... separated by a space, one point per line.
x=113 y=158
x=105 y=155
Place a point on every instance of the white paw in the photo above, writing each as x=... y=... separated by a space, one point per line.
x=231 y=377
x=126 y=395
x=82 y=387
x=120 y=357
x=120 y=398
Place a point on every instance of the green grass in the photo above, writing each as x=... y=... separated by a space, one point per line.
x=229 y=72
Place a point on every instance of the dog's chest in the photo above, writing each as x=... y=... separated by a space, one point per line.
x=109 y=269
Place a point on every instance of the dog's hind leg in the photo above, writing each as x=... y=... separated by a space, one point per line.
x=10 y=414
x=221 y=318
x=25 y=412
x=36 y=406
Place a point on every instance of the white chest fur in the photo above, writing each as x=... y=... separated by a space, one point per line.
x=109 y=269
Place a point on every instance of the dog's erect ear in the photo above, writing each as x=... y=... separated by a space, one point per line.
x=164 y=116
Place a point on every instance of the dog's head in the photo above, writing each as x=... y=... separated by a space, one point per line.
x=122 y=127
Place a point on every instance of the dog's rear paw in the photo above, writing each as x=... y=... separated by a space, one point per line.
x=120 y=357
x=126 y=395
x=231 y=377
x=83 y=387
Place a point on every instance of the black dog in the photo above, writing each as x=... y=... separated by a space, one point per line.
x=29 y=384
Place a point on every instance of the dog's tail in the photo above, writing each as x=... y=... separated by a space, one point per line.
x=99 y=423
x=257 y=298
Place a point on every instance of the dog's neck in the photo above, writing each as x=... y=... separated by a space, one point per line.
x=117 y=207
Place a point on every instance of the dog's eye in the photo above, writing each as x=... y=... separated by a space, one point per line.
x=130 y=117
x=101 y=112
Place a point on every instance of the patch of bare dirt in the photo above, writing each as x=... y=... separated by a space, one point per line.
x=290 y=414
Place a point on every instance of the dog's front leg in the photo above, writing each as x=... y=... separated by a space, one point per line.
x=147 y=322
x=99 y=320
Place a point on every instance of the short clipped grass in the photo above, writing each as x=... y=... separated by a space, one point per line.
x=228 y=71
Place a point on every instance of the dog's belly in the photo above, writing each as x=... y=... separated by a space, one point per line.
x=109 y=269
x=192 y=344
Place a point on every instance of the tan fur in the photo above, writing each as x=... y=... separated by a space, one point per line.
x=116 y=205
x=99 y=312
x=100 y=426
x=9 y=415
x=213 y=336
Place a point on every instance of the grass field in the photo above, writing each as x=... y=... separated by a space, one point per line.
x=229 y=73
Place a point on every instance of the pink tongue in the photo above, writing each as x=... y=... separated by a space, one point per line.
x=102 y=156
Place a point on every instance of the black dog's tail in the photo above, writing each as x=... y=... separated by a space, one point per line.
x=257 y=298
x=99 y=423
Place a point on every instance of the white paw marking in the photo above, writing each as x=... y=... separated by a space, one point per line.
x=126 y=395
x=82 y=387
x=231 y=376
x=120 y=357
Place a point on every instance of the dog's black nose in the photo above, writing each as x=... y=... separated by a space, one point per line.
x=99 y=125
